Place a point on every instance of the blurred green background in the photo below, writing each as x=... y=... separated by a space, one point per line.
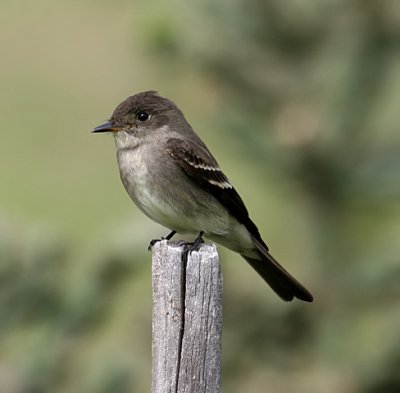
x=298 y=100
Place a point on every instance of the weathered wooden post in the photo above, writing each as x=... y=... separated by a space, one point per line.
x=187 y=319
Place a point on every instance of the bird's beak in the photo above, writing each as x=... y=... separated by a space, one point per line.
x=107 y=127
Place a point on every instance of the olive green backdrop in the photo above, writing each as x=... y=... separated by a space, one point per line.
x=298 y=100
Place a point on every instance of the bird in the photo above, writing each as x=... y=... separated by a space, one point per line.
x=172 y=177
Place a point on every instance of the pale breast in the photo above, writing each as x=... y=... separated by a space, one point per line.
x=135 y=176
x=164 y=197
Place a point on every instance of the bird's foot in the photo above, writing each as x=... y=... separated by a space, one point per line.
x=154 y=241
x=195 y=246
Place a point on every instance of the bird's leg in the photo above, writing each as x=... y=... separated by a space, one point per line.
x=195 y=246
x=169 y=236
x=154 y=241
x=197 y=242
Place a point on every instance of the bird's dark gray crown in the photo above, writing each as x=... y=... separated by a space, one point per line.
x=149 y=101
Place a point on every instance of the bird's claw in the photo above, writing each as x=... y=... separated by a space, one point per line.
x=154 y=241
x=195 y=246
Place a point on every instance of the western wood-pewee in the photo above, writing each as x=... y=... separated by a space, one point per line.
x=173 y=178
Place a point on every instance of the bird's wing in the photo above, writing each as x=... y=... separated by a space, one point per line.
x=199 y=164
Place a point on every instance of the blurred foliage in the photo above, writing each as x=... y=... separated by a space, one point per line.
x=301 y=95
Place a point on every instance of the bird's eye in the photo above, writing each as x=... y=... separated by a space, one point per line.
x=143 y=116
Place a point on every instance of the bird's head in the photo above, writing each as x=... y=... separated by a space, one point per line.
x=140 y=115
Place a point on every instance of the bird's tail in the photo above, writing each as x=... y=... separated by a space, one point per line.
x=284 y=284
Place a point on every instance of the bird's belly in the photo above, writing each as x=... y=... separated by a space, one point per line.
x=174 y=206
x=140 y=186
